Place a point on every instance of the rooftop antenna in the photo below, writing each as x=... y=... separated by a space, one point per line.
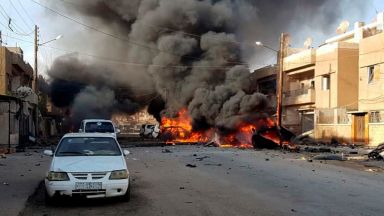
x=343 y=27
x=308 y=43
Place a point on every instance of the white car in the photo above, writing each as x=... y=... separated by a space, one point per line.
x=87 y=164
x=98 y=126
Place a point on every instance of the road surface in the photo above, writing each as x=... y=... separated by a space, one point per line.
x=231 y=182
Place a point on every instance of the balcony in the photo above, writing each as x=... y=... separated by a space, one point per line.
x=299 y=97
x=300 y=60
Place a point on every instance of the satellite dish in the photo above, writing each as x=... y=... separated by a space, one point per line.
x=308 y=43
x=343 y=27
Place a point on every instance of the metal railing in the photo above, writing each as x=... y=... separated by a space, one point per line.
x=298 y=92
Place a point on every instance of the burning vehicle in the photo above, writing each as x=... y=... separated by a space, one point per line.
x=261 y=133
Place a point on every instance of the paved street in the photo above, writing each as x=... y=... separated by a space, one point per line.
x=19 y=174
x=231 y=182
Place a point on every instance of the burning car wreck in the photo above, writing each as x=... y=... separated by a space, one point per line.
x=259 y=133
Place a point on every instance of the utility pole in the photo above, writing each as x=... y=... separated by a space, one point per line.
x=36 y=83
x=36 y=49
x=280 y=80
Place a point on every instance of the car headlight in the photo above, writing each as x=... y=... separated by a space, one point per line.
x=119 y=174
x=57 y=176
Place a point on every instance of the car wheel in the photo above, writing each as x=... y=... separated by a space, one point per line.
x=127 y=196
x=49 y=200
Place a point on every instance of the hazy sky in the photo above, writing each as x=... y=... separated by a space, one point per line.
x=28 y=13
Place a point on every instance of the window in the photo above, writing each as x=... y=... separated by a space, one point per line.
x=88 y=146
x=371 y=73
x=326 y=82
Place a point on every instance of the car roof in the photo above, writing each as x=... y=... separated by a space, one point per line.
x=89 y=135
x=96 y=120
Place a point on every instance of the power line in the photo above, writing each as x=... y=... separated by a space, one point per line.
x=21 y=17
x=9 y=20
x=25 y=11
x=119 y=37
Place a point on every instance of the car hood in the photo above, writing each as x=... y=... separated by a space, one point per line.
x=88 y=163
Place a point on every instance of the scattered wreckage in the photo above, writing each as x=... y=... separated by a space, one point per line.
x=377 y=153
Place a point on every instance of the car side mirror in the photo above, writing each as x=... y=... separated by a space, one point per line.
x=48 y=152
x=126 y=152
x=118 y=131
x=80 y=130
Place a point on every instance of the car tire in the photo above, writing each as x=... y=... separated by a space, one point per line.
x=127 y=196
x=49 y=201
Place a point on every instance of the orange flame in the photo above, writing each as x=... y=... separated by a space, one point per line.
x=180 y=130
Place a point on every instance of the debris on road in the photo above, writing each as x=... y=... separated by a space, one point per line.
x=191 y=165
x=5 y=183
x=329 y=157
x=202 y=158
x=266 y=159
x=181 y=188
x=166 y=151
x=377 y=153
x=210 y=164
x=317 y=149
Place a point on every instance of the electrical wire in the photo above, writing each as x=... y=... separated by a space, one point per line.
x=25 y=11
x=21 y=17
x=8 y=19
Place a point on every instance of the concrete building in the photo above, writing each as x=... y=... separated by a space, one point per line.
x=299 y=90
x=18 y=102
x=336 y=86
x=349 y=105
x=264 y=81
x=369 y=125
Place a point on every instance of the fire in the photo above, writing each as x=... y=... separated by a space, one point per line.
x=180 y=129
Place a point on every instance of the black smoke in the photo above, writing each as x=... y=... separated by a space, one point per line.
x=173 y=54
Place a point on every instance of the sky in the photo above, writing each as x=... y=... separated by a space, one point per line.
x=25 y=14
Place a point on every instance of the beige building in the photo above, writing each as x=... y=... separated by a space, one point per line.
x=14 y=71
x=18 y=102
x=336 y=81
x=349 y=86
x=370 y=124
x=299 y=90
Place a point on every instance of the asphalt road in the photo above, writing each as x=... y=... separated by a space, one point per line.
x=231 y=182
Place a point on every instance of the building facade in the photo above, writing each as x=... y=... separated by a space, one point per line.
x=299 y=90
x=264 y=81
x=18 y=102
x=339 y=87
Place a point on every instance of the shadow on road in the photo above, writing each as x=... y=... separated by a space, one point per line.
x=65 y=205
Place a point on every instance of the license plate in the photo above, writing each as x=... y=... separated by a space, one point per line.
x=88 y=186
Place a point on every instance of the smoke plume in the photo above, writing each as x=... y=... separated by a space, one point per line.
x=173 y=54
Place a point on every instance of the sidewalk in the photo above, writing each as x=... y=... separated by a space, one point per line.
x=20 y=174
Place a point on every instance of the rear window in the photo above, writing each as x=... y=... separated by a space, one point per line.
x=88 y=146
x=99 y=127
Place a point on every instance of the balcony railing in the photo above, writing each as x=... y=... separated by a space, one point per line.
x=299 y=96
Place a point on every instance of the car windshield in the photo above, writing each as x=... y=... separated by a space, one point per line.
x=99 y=127
x=88 y=146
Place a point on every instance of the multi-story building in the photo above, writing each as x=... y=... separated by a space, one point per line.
x=264 y=81
x=14 y=71
x=339 y=87
x=18 y=102
x=299 y=90
x=369 y=125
